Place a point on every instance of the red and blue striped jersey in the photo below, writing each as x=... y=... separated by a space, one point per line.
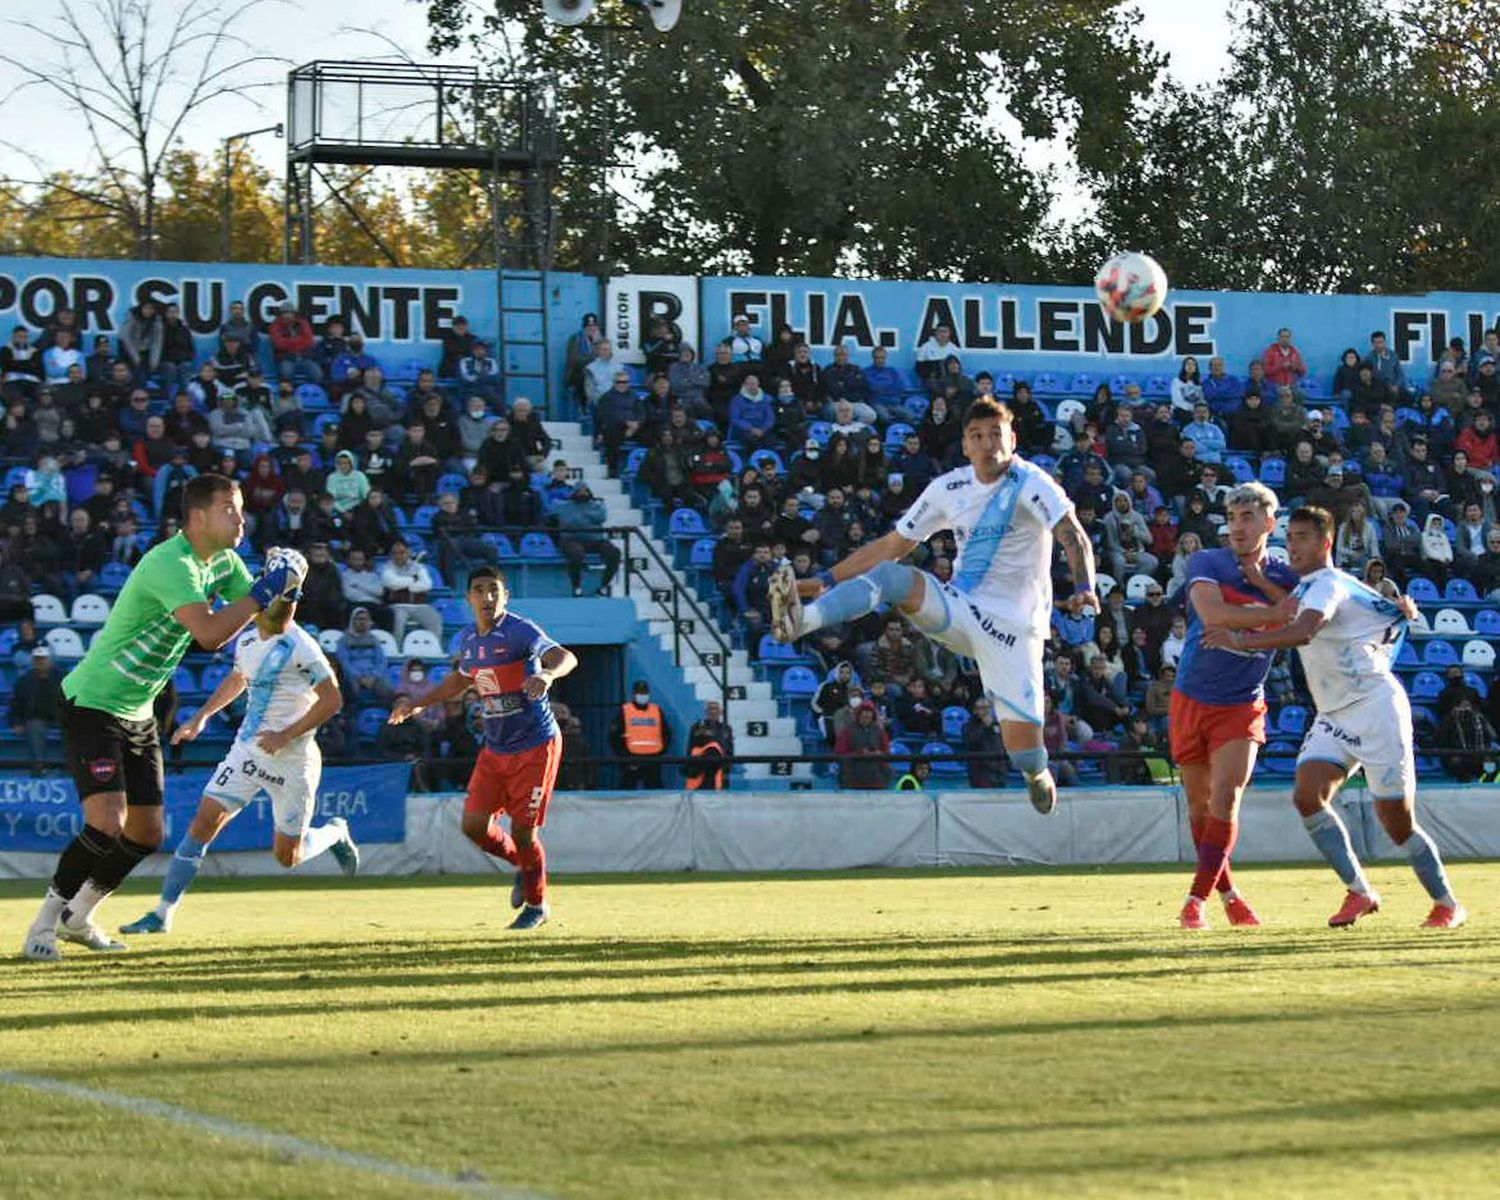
x=500 y=662
x=1226 y=676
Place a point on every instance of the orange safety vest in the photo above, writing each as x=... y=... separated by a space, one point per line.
x=713 y=780
x=643 y=729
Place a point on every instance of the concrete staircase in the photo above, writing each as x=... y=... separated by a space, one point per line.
x=752 y=709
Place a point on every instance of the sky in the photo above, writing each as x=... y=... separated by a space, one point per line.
x=1193 y=33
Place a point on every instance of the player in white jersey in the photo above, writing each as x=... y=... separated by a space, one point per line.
x=1348 y=635
x=293 y=690
x=1003 y=513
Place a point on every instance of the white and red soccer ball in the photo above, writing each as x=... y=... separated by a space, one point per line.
x=1131 y=287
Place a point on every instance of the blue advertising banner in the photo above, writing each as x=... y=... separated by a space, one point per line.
x=44 y=814
x=1023 y=327
x=402 y=313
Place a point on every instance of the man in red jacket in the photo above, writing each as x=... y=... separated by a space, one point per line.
x=292 y=343
x=1479 y=442
x=1283 y=361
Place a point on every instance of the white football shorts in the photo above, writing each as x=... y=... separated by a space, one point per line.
x=290 y=780
x=1374 y=734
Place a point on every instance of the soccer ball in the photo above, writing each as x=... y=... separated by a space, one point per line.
x=1131 y=286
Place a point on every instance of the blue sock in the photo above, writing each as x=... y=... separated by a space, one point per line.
x=1428 y=866
x=181 y=871
x=1031 y=762
x=887 y=583
x=1332 y=840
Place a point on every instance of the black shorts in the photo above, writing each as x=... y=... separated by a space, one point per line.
x=110 y=754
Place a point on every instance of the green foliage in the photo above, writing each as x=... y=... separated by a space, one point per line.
x=818 y=136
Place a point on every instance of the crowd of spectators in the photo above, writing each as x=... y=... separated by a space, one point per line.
x=1405 y=460
x=327 y=449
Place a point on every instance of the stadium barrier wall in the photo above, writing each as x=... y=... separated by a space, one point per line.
x=1028 y=327
x=806 y=831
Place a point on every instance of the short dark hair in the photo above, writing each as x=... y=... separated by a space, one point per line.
x=202 y=490
x=1310 y=514
x=987 y=408
x=486 y=572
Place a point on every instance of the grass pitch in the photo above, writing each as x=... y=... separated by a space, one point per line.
x=929 y=1035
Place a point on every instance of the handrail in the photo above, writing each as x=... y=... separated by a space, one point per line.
x=671 y=607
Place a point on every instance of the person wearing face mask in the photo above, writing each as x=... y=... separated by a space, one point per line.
x=641 y=732
x=473 y=428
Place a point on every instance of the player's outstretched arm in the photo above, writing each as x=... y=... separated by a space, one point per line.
x=1080 y=552
x=214 y=630
x=454 y=684
x=890 y=548
x=1298 y=633
x=224 y=695
x=1206 y=597
x=329 y=701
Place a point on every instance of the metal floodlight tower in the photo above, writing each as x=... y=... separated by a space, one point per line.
x=376 y=114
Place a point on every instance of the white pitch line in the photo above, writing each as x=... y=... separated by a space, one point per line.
x=266 y=1139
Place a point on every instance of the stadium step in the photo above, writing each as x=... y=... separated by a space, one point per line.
x=758 y=726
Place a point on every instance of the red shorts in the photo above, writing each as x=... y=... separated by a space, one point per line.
x=1199 y=729
x=519 y=785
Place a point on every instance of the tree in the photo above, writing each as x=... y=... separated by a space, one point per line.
x=117 y=66
x=819 y=136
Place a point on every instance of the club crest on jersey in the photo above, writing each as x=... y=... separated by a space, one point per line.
x=102 y=769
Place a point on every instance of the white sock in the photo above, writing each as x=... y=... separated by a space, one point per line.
x=320 y=838
x=52 y=906
x=80 y=909
x=1231 y=894
x=812 y=617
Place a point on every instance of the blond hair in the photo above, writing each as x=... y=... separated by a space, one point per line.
x=1252 y=495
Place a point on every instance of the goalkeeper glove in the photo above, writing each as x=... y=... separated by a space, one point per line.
x=281 y=581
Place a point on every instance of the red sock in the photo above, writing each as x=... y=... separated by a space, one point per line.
x=499 y=843
x=1226 y=879
x=1213 y=854
x=533 y=860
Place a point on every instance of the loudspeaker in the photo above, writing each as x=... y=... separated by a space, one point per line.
x=568 y=12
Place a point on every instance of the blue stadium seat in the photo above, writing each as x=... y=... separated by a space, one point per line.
x=112 y=576
x=15 y=476
x=1083 y=383
x=1240 y=465
x=895 y=436
x=1285 y=762
x=81 y=481
x=1425 y=685
x=453 y=610
x=820 y=432
x=916 y=406
x=901 y=748
x=185 y=681
x=452 y=482
x=1157 y=387
x=323 y=420
x=503 y=546
x=774 y=651
x=1476 y=681
x=422 y=518
x=213 y=675
x=1407 y=656
x=633 y=461
x=1293 y=720
x=312 y=395
x=1487 y=622
x=1045 y=461
x=703 y=552
x=1273 y=472
x=955 y=718
x=942 y=766
x=1460 y=591
x=687 y=523
x=762 y=456
x=1439 y=653
x=1423 y=590
x=370 y=722
x=799 y=682
x=539 y=545
x=1047 y=384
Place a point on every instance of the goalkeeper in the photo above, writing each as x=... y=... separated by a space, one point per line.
x=111 y=739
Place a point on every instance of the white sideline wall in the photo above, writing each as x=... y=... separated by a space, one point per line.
x=810 y=831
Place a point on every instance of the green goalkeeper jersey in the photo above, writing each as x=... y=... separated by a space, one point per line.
x=137 y=651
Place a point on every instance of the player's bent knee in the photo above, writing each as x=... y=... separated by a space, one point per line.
x=896 y=582
x=476 y=827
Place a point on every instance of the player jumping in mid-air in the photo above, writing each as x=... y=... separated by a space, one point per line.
x=1348 y=635
x=1003 y=512
x=110 y=733
x=512 y=664
x=293 y=691
x=1218 y=712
